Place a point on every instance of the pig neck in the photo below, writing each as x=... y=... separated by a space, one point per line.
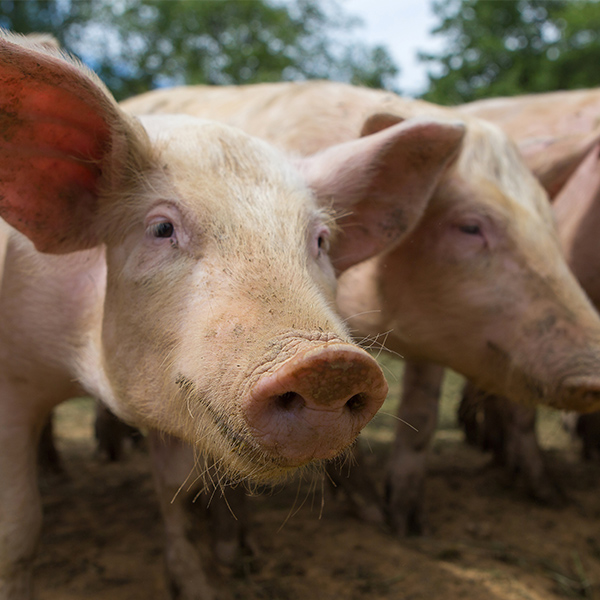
x=55 y=314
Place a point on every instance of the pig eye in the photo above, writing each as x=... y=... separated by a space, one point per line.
x=163 y=230
x=470 y=229
x=322 y=242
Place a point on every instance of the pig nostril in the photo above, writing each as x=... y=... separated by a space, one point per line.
x=357 y=403
x=289 y=401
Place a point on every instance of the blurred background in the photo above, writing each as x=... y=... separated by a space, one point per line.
x=447 y=51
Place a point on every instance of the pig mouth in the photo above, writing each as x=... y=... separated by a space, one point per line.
x=240 y=442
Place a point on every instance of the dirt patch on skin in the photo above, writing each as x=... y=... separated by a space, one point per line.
x=102 y=536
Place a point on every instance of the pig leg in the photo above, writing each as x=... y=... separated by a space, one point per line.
x=49 y=460
x=172 y=462
x=20 y=503
x=359 y=488
x=405 y=477
x=112 y=434
x=524 y=456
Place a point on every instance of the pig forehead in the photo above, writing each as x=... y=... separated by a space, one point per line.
x=193 y=145
x=210 y=162
x=493 y=169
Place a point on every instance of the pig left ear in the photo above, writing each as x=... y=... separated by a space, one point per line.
x=554 y=159
x=380 y=184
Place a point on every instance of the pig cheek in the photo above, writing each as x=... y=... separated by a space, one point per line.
x=323 y=275
x=141 y=319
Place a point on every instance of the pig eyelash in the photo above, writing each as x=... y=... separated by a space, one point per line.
x=164 y=230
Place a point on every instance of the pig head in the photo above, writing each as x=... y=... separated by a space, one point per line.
x=480 y=283
x=558 y=134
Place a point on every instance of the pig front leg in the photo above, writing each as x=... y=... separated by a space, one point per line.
x=524 y=456
x=362 y=495
x=406 y=472
x=20 y=504
x=507 y=430
x=185 y=556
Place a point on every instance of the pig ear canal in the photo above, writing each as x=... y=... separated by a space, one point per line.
x=64 y=138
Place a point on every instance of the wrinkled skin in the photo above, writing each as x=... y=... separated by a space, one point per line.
x=480 y=284
x=184 y=274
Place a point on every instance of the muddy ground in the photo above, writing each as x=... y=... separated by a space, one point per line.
x=102 y=536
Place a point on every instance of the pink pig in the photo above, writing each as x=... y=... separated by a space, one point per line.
x=181 y=272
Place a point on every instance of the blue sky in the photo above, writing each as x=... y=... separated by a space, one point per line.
x=404 y=27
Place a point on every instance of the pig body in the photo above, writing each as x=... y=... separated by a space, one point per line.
x=181 y=272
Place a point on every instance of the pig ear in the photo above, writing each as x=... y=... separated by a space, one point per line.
x=379 y=185
x=379 y=122
x=61 y=132
x=554 y=159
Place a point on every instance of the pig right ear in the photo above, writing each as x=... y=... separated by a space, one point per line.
x=62 y=139
x=554 y=159
x=380 y=184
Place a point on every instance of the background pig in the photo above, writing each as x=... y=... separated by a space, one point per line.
x=179 y=271
x=557 y=134
x=550 y=129
x=480 y=284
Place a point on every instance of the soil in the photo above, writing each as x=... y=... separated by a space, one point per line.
x=102 y=536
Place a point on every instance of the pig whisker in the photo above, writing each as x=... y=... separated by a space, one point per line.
x=182 y=485
x=365 y=312
x=224 y=496
x=387 y=414
x=291 y=511
x=322 y=479
x=331 y=480
x=313 y=491
x=295 y=510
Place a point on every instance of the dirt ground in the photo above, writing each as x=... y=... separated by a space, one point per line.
x=102 y=536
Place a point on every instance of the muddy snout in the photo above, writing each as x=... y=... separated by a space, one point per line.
x=314 y=405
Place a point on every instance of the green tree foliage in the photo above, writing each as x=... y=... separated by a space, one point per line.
x=136 y=45
x=508 y=47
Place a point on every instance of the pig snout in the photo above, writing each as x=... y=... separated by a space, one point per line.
x=314 y=405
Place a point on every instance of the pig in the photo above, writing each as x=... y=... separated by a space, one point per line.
x=550 y=129
x=480 y=284
x=557 y=134
x=181 y=272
